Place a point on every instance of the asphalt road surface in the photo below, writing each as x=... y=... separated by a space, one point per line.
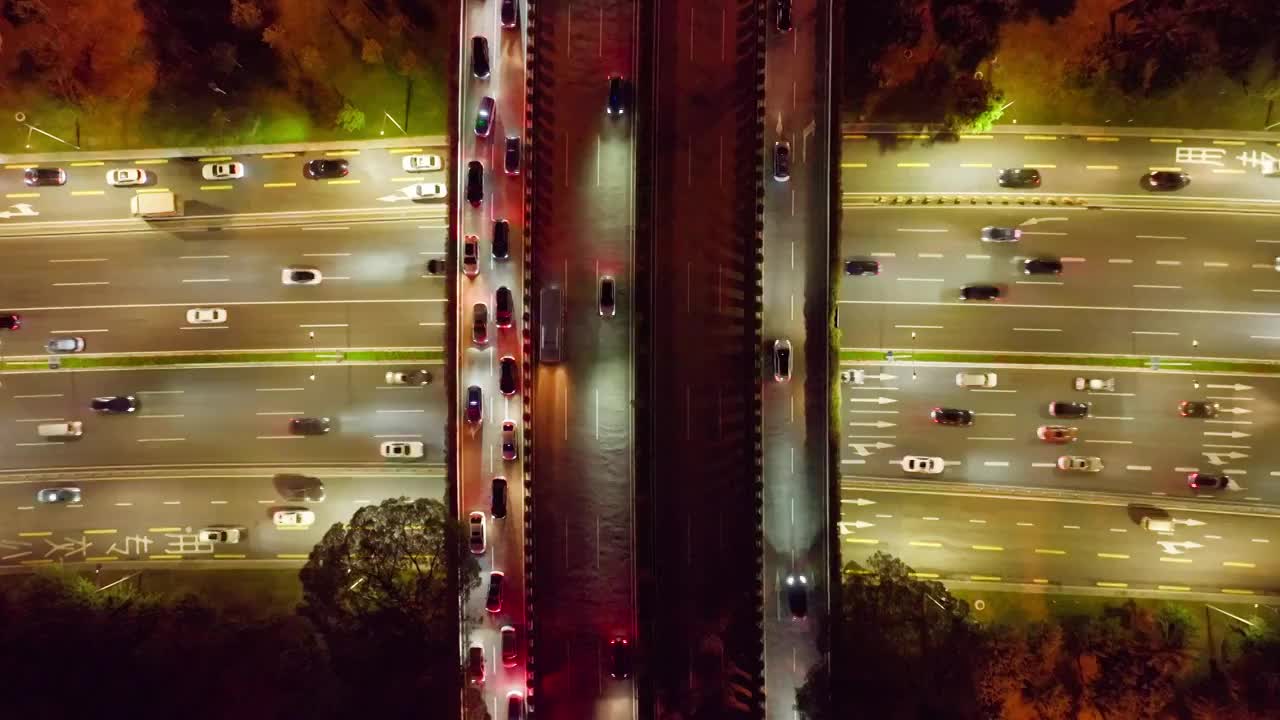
x=583 y=205
x=954 y=534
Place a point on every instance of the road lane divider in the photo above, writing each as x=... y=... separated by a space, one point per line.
x=961 y=358
x=22 y=364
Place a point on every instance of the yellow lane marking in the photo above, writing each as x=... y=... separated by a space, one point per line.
x=341 y=153
x=1039 y=166
x=101 y=532
x=216 y=187
x=273 y=156
x=87 y=163
x=35 y=534
x=975 y=165
x=988 y=578
x=1100 y=138
x=37 y=562
x=1039 y=137
x=164 y=557
x=344 y=182
x=1174 y=588
x=853 y=165
x=152 y=161
x=292 y=556
x=1231 y=591
x=914 y=574
x=1229 y=171
x=1040 y=581
x=1157 y=168
x=22 y=195
x=1165 y=140
x=976 y=137
x=1101 y=167
x=143 y=191
x=102 y=558
x=279 y=184
x=990 y=548
x=164 y=529
x=1049 y=551
x=862 y=541
x=1231 y=563
x=19 y=167
x=913 y=136
x=88 y=192
x=1111 y=584
x=855 y=137
x=223 y=158
x=913 y=165
x=922 y=543
x=397 y=151
x=1175 y=560
x=220 y=556
x=1228 y=142
x=1113 y=556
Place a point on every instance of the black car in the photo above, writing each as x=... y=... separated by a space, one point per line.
x=435 y=266
x=480 y=323
x=503 y=307
x=1207 y=481
x=1198 y=408
x=471 y=256
x=302 y=276
x=501 y=239
x=1166 y=180
x=1019 y=178
x=309 y=426
x=484 y=116
x=493 y=599
x=784 y=15
x=782 y=161
x=299 y=488
x=114 y=404
x=38 y=177
x=620 y=658
x=498 y=498
x=10 y=321
x=608 y=301
x=1042 y=266
x=798 y=596
x=475 y=183
x=616 y=104
x=321 y=168
x=508 y=13
x=508 y=376
x=980 y=292
x=1069 y=409
x=511 y=157
x=480 y=56
x=951 y=416
x=474 y=402
x=861 y=267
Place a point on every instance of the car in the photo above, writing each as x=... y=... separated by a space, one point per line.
x=951 y=416
x=1095 y=384
x=608 y=301
x=1080 y=463
x=1166 y=180
x=1042 y=266
x=797 y=596
x=53 y=496
x=508 y=376
x=980 y=292
x=10 y=321
x=992 y=233
x=114 y=404
x=503 y=307
x=501 y=239
x=480 y=56
x=1069 y=409
x=321 y=168
x=484 y=117
x=922 y=464
x=293 y=518
x=475 y=183
x=126 y=177
x=782 y=161
x=1198 y=408
x=511 y=156
x=435 y=266
x=222 y=171
x=1057 y=433
x=616 y=103
x=498 y=498
x=480 y=323
x=515 y=705
x=1157 y=524
x=781 y=360
x=224 y=536
x=981 y=380
x=1019 y=178
x=299 y=488
x=861 y=267
x=782 y=19
x=509 y=451
x=402 y=449
x=298 y=275
x=475 y=401
x=65 y=345
x=426 y=191
x=309 y=426
x=471 y=256
x=493 y=597
x=421 y=163
x=43 y=177
x=620 y=657
x=475 y=664
x=507 y=12
x=1207 y=481
x=408 y=377
x=206 y=316
x=475 y=523
x=510 y=644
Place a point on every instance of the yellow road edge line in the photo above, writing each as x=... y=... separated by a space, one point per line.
x=923 y=543
x=216 y=187
x=914 y=574
x=279 y=184
x=164 y=557
x=38 y=562
x=1175 y=560
x=912 y=136
x=991 y=548
x=975 y=165
x=853 y=165
x=1049 y=551
x=976 y=137
x=1039 y=137
x=1039 y=165
x=146 y=191
x=1113 y=556
x=913 y=165
x=87 y=163
x=341 y=153
x=164 y=529
x=22 y=195
x=220 y=556
x=102 y=558
x=987 y=578
x=1101 y=167
x=45 y=533
x=1233 y=563
x=1229 y=171
x=152 y=161
x=1175 y=588
x=405 y=151
x=292 y=556
x=20 y=167
x=344 y=182
x=220 y=158
x=1102 y=138
x=1157 y=168
x=1228 y=142
x=1040 y=581
x=1105 y=584
x=1165 y=140
x=855 y=137
x=274 y=156
x=102 y=531
x=88 y=192
x=1234 y=591
x=862 y=541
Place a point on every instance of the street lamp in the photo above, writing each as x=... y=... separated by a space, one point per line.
x=913 y=354
x=312 y=334
x=1194 y=382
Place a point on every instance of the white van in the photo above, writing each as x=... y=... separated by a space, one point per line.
x=157 y=204
x=60 y=429
x=550 y=325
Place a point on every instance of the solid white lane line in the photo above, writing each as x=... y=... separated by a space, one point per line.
x=918 y=327
x=204 y=327
x=1228 y=397
x=922 y=230
x=161 y=439
x=990 y=438
x=1018 y=329
x=1161 y=237
x=280 y=437
x=203 y=257
x=1120 y=261
x=324 y=325
x=42 y=395
x=39 y=420
x=326 y=254
x=206 y=280
x=160 y=417
x=1186 y=469
x=1153 y=332
x=77 y=332
x=1043 y=232
x=78 y=260
x=1037 y=282
x=337 y=277
x=281 y=412
x=1264 y=337
x=1230 y=422
x=1110 y=442
x=1215 y=264
x=1169 y=262
x=278 y=389
x=929 y=255
x=40 y=444
x=159 y=392
x=1072 y=259
x=385 y=437
x=1142 y=468
x=991 y=390
x=1109 y=417
x=315 y=228
x=989 y=414
x=1170 y=310
x=996 y=463
x=977 y=257
x=390 y=412
x=911 y=279
x=79 y=284
x=1159 y=287
x=884 y=254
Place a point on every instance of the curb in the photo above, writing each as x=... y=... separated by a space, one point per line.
x=210 y=151
x=1062 y=130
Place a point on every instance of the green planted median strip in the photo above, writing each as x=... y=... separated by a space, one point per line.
x=72 y=362
x=1095 y=361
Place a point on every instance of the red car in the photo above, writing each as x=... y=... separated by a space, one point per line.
x=503 y=308
x=10 y=322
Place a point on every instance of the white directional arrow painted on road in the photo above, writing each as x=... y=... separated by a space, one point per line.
x=876 y=424
x=1216 y=458
x=1236 y=410
x=859 y=502
x=23 y=210
x=861 y=448
x=1037 y=221
x=856 y=525
x=1230 y=387
x=1176 y=548
x=1233 y=434
x=876 y=400
x=1189 y=522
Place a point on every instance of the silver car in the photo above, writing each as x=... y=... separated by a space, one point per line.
x=991 y=233
x=65 y=345
x=1080 y=463
x=59 y=495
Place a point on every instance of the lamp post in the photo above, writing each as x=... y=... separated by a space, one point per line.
x=1194 y=345
x=312 y=334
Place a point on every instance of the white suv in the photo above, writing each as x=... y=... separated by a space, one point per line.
x=979 y=380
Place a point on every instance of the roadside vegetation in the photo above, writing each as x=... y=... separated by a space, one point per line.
x=908 y=648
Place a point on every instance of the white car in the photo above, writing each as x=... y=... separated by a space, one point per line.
x=408 y=377
x=922 y=464
x=421 y=163
x=206 y=316
x=222 y=171
x=1080 y=463
x=1096 y=384
x=293 y=518
x=229 y=536
x=124 y=177
x=477 y=532
x=426 y=191
x=980 y=380
x=298 y=275
x=402 y=449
